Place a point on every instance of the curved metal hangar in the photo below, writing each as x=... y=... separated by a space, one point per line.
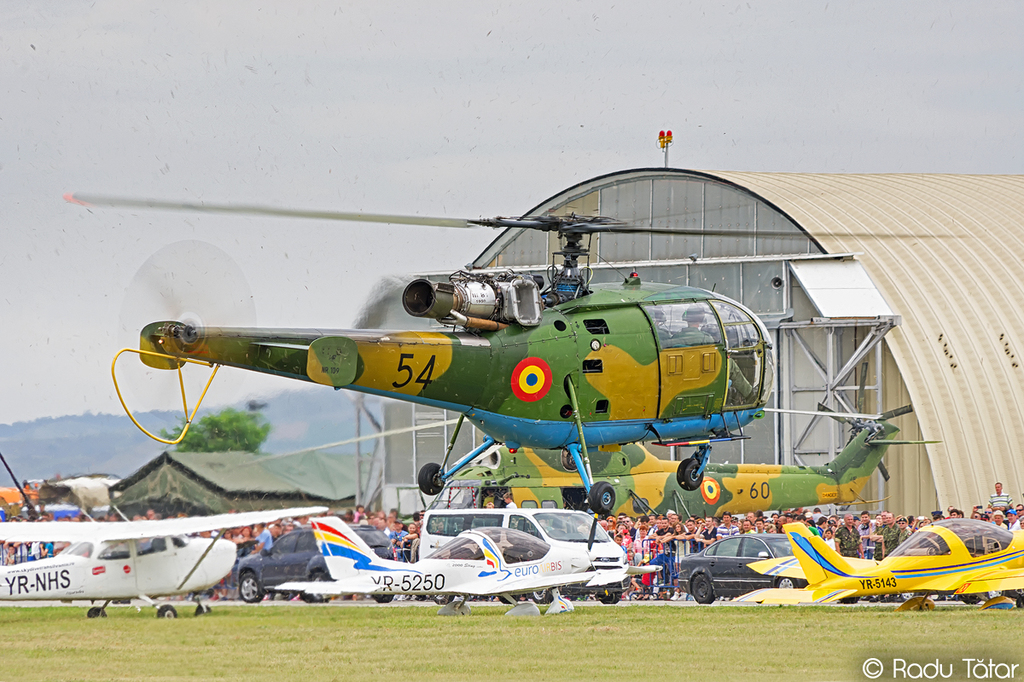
x=881 y=290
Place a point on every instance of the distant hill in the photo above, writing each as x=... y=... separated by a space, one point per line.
x=111 y=444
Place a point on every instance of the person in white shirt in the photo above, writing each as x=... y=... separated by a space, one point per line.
x=509 y=502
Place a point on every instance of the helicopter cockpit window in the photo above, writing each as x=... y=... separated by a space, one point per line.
x=516 y=546
x=682 y=325
x=460 y=549
x=923 y=543
x=740 y=329
x=979 y=537
x=741 y=337
x=456 y=496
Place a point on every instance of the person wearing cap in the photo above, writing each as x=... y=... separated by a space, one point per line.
x=1012 y=519
x=999 y=501
x=890 y=536
x=937 y=515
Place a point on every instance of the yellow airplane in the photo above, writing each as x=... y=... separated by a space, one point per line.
x=962 y=556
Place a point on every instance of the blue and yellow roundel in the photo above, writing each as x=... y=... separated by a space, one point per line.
x=710 y=490
x=531 y=379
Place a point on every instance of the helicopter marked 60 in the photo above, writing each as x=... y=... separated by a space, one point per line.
x=572 y=366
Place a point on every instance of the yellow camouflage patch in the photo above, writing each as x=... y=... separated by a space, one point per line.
x=631 y=388
x=404 y=362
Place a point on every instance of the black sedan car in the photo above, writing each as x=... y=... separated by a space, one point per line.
x=720 y=570
x=295 y=556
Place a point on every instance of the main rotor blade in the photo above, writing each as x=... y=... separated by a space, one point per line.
x=89 y=200
x=826 y=413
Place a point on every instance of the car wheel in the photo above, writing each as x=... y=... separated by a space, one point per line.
x=383 y=598
x=701 y=588
x=249 y=588
x=785 y=583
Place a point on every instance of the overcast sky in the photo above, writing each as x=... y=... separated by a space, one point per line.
x=451 y=109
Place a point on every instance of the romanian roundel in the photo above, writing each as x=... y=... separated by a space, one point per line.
x=531 y=379
x=710 y=491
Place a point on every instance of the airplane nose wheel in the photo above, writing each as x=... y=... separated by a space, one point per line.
x=429 y=479
x=166 y=611
x=96 y=612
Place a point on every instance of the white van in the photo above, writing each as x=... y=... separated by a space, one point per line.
x=553 y=526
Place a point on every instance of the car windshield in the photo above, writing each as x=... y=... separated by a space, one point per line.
x=779 y=544
x=570 y=527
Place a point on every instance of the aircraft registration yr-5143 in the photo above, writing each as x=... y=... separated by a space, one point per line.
x=563 y=364
x=128 y=560
x=963 y=556
x=483 y=562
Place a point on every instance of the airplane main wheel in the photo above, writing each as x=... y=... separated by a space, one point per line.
x=383 y=598
x=602 y=497
x=609 y=597
x=687 y=475
x=429 y=479
x=202 y=609
x=96 y=612
x=166 y=611
x=702 y=590
x=542 y=597
x=317 y=575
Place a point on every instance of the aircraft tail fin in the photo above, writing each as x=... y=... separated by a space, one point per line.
x=818 y=561
x=345 y=553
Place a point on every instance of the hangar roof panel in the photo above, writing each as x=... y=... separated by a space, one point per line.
x=840 y=288
x=947 y=253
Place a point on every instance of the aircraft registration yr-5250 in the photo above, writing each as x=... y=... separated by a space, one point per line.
x=129 y=560
x=484 y=562
x=565 y=364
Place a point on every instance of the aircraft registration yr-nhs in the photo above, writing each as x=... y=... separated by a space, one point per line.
x=130 y=560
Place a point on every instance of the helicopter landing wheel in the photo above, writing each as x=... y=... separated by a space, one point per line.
x=687 y=475
x=602 y=498
x=429 y=479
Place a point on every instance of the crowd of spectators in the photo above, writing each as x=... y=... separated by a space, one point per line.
x=655 y=539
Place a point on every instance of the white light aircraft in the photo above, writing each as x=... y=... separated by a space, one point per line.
x=483 y=562
x=129 y=560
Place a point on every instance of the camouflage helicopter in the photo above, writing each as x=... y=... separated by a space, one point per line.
x=562 y=364
x=646 y=484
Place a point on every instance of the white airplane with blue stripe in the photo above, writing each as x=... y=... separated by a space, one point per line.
x=962 y=556
x=483 y=562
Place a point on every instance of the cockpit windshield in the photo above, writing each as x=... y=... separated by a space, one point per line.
x=980 y=537
x=680 y=325
x=922 y=543
x=515 y=545
x=460 y=549
x=573 y=527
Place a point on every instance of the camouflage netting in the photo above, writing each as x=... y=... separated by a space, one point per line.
x=215 y=483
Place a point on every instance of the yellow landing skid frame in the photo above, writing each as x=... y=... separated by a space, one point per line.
x=181 y=382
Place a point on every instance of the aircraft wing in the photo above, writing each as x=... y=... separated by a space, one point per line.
x=49 y=531
x=992 y=581
x=782 y=596
x=481 y=588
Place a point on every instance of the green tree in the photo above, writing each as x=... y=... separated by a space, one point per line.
x=228 y=430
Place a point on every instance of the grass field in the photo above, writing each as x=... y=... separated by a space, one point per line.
x=412 y=643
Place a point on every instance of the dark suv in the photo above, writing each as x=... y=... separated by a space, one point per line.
x=295 y=556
